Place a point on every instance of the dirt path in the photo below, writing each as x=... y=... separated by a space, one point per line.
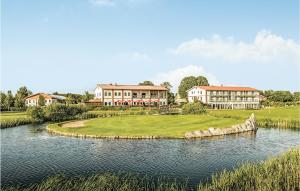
x=75 y=124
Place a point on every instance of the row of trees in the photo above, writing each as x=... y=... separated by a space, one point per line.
x=11 y=102
x=14 y=102
x=279 y=97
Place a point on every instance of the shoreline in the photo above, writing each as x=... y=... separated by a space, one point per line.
x=248 y=125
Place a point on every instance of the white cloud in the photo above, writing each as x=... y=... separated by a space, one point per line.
x=266 y=47
x=175 y=76
x=103 y=2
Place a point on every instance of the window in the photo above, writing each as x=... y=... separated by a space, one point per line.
x=143 y=95
x=116 y=93
x=125 y=93
x=128 y=93
x=109 y=94
x=119 y=94
x=134 y=95
x=105 y=94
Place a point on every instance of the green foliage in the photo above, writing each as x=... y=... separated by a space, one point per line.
x=20 y=97
x=36 y=113
x=189 y=82
x=146 y=83
x=276 y=174
x=9 y=100
x=62 y=112
x=2 y=103
x=87 y=96
x=193 y=108
x=171 y=96
x=296 y=96
x=105 y=182
x=41 y=100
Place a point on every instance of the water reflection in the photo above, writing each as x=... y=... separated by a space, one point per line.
x=29 y=155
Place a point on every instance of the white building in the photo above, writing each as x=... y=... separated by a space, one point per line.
x=225 y=97
x=32 y=100
x=133 y=95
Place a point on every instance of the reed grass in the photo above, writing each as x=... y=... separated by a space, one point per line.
x=104 y=182
x=276 y=174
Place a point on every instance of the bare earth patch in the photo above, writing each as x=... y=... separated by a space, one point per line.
x=75 y=124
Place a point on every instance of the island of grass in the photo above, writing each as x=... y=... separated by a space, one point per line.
x=144 y=126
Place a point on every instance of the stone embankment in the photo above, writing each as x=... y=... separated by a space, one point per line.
x=248 y=125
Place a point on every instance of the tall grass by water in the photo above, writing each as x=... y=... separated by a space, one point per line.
x=12 y=119
x=276 y=174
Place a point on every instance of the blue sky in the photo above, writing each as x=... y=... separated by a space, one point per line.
x=71 y=45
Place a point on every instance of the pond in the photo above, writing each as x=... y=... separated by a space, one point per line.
x=29 y=155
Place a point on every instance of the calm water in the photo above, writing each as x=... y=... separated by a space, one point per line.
x=28 y=156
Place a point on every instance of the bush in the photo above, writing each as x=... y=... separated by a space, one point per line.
x=193 y=108
x=36 y=113
x=62 y=112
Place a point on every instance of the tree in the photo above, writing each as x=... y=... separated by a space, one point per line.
x=41 y=100
x=87 y=96
x=189 y=82
x=2 y=104
x=20 y=97
x=36 y=113
x=171 y=96
x=296 y=96
x=146 y=83
x=9 y=100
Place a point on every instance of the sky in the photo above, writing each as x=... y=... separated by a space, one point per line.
x=71 y=45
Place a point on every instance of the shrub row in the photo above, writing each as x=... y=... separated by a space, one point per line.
x=14 y=122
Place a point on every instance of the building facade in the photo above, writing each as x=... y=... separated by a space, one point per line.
x=131 y=95
x=225 y=97
x=32 y=100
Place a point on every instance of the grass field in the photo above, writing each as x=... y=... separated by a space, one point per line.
x=276 y=174
x=276 y=113
x=12 y=119
x=278 y=117
x=148 y=125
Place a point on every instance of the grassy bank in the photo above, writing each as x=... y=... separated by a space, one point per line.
x=12 y=119
x=167 y=126
x=276 y=174
x=281 y=117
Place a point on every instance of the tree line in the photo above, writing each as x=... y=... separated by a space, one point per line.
x=11 y=102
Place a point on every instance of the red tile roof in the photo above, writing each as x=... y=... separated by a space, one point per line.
x=227 y=88
x=130 y=87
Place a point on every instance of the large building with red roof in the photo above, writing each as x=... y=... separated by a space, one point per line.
x=132 y=95
x=225 y=97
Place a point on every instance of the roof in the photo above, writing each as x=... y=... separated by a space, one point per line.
x=227 y=88
x=45 y=94
x=130 y=87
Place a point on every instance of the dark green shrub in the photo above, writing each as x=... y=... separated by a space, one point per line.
x=37 y=114
x=193 y=108
x=62 y=112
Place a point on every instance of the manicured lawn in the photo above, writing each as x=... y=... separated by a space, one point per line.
x=4 y=116
x=276 y=113
x=149 y=125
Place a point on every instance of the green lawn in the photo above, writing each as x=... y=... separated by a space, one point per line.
x=149 y=125
x=276 y=113
x=5 y=116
